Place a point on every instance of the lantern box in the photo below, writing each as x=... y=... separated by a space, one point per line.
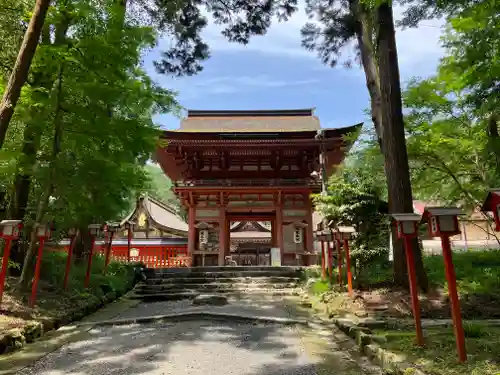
x=112 y=227
x=442 y=220
x=129 y=225
x=328 y=235
x=72 y=232
x=43 y=231
x=492 y=204
x=95 y=229
x=407 y=224
x=345 y=233
x=10 y=228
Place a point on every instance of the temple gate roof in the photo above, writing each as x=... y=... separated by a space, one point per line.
x=250 y=121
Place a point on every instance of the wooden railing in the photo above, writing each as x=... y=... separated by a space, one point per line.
x=310 y=182
x=150 y=256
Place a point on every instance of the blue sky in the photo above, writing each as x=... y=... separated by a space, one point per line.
x=275 y=72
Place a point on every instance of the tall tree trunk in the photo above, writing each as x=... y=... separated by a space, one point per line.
x=49 y=184
x=364 y=36
x=32 y=133
x=21 y=69
x=394 y=143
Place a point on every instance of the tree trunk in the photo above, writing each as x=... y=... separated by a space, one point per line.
x=364 y=35
x=21 y=69
x=49 y=186
x=394 y=143
x=31 y=138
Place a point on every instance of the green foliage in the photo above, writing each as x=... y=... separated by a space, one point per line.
x=118 y=279
x=319 y=287
x=354 y=199
x=439 y=356
x=478 y=273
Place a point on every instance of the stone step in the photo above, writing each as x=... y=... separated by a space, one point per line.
x=190 y=270
x=211 y=279
x=216 y=274
x=184 y=294
x=216 y=286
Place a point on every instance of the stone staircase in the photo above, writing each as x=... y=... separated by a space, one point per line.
x=232 y=282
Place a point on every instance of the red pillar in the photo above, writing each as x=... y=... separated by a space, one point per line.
x=69 y=261
x=5 y=265
x=455 y=303
x=410 y=265
x=129 y=240
x=339 y=260
x=330 y=260
x=348 y=265
x=223 y=235
x=108 y=251
x=89 y=263
x=36 y=277
x=191 y=232
x=279 y=231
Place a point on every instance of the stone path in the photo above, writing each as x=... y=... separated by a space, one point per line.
x=206 y=348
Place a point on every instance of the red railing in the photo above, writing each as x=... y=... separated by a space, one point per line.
x=150 y=256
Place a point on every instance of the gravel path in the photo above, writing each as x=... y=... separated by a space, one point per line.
x=189 y=348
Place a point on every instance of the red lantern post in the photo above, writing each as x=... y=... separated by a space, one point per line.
x=407 y=225
x=345 y=236
x=339 y=257
x=443 y=222
x=10 y=231
x=43 y=233
x=95 y=230
x=72 y=233
x=492 y=204
x=111 y=228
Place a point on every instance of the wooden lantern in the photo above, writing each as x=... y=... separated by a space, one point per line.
x=407 y=224
x=43 y=231
x=442 y=220
x=95 y=229
x=11 y=229
x=345 y=232
x=492 y=204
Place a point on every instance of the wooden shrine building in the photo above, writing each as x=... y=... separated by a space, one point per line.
x=232 y=168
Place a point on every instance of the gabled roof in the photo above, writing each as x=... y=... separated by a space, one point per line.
x=248 y=226
x=250 y=120
x=160 y=215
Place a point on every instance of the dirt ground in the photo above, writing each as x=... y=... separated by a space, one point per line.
x=15 y=312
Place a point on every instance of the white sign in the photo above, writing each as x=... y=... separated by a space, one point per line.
x=134 y=252
x=275 y=257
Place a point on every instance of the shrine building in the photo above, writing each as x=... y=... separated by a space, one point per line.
x=245 y=179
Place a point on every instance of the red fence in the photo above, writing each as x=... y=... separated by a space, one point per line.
x=153 y=256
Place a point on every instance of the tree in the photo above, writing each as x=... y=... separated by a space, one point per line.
x=356 y=198
x=21 y=69
x=371 y=25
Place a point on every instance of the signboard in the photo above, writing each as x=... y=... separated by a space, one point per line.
x=275 y=257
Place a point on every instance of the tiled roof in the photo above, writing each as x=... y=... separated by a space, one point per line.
x=250 y=121
x=161 y=215
x=164 y=215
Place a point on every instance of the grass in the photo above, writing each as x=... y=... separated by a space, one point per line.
x=439 y=356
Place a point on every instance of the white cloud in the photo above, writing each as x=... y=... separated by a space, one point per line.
x=418 y=48
x=234 y=84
